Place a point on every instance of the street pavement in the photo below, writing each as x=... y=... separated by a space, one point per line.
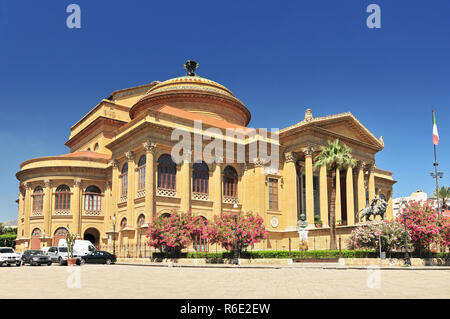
x=129 y=281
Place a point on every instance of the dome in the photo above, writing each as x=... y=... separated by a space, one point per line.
x=194 y=94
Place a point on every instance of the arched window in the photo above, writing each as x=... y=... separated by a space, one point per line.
x=62 y=198
x=92 y=199
x=123 y=223
x=36 y=232
x=38 y=200
x=124 y=180
x=382 y=197
x=167 y=171
x=230 y=181
x=141 y=220
x=141 y=173
x=200 y=178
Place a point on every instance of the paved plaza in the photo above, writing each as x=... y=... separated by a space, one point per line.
x=123 y=281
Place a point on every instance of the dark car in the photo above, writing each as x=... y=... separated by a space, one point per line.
x=99 y=257
x=36 y=257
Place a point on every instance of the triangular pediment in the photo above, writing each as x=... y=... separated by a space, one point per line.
x=349 y=128
x=344 y=124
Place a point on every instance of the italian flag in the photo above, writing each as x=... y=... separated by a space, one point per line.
x=435 y=131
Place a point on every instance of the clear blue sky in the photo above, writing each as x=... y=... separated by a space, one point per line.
x=278 y=57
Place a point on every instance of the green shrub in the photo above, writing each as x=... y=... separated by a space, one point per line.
x=260 y=254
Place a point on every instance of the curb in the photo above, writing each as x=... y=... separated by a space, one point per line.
x=341 y=267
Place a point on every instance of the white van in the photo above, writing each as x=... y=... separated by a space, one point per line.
x=81 y=247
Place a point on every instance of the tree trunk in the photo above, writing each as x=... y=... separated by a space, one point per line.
x=332 y=210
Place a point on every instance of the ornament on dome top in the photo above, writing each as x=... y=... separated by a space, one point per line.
x=308 y=115
x=191 y=66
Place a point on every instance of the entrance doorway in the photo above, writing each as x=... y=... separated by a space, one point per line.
x=93 y=235
x=60 y=233
x=36 y=239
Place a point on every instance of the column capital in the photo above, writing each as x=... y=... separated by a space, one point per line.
x=360 y=164
x=114 y=163
x=149 y=146
x=290 y=157
x=371 y=167
x=47 y=183
x=107 y=185
x=130 y=156
x=259 y=161
x=77 y=182
x=308 y=151
x=27 y=185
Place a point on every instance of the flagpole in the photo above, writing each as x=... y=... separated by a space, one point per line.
x=436 y=172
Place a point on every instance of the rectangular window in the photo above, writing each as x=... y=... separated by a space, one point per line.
x=141 y=178
x=124 y=184
x=273 y=193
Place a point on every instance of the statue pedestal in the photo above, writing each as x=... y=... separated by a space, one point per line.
x=303 y=234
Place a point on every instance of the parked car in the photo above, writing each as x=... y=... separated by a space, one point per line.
x=99 y=257
x=80 y=248
x=36 y=257
x=8 y=256
x=59 y=255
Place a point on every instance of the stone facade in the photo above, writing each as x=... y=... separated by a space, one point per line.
x=114 y=181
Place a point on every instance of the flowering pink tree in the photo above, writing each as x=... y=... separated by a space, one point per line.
x=444 y=224
x=172 y=234
x=367 y=236
x=421 y=223
x=250 y=230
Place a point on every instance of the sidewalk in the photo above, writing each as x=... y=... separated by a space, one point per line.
x=334 y=266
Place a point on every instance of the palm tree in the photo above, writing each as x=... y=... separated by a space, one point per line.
x=444 y=195
x=334 y=156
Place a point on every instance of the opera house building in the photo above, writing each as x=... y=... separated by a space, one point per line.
x=120 y=174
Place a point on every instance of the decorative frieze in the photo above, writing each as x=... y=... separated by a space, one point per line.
x=230 y=200
x=200 y=196
x=62 y=212
x=91 y=213
x=140 y=193
x=123 y=199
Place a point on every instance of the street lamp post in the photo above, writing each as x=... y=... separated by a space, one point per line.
x=114 y=234
x=235 y=260
x=407 y=260
x=436 y=175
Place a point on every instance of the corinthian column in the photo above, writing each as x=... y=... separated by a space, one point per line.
x=28 y=208
x=361 y=188
x=290 y=186
x=186 y=183
x=309 y=185
x=150 y=148
x=47 y=207
x=217 y=186
x=371 y=168
x=76 y=206
x=350 y=198
x=323 y=195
